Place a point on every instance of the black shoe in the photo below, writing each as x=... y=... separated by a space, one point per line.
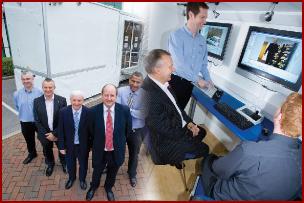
x=69 y=184
x=29 y=158
x=90 y=194
x=64 y=169
x=83 y=185
x=49 y=170
x=110 y=195
x=178 y=165
x=133 y=181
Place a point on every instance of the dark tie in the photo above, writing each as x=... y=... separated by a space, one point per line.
x=109 y=132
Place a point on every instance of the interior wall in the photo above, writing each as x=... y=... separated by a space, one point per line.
x=166 y=17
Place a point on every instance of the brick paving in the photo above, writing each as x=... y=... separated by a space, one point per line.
x=28 y=182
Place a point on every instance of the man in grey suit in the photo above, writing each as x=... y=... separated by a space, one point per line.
x=266 y=170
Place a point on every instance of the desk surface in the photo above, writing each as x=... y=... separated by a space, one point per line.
x=254 y=133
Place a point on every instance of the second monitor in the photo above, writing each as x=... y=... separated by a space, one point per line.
x=216 y=35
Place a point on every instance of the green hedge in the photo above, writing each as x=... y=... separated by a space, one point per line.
x=7 y=66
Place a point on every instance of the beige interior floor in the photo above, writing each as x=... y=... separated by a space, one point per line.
x=165 y=181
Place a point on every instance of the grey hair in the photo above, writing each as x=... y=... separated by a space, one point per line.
x=137 y=74
x=153 y=59
x=26 y=72
x=76 y=93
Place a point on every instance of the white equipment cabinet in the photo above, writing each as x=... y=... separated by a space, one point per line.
x=78 y=45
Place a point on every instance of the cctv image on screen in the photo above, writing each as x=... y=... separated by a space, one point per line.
x=280 y=56
x=215 y=37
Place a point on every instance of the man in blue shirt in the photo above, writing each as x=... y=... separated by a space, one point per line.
x=132 y=96
x=266 y=170
x=189 y=53
x=23 y=100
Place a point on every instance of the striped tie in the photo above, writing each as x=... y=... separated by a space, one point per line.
x=130 y=100
x=76 y=125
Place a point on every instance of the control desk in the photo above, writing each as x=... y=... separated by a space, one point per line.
x=254 y=133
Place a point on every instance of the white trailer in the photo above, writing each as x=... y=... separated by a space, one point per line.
x=78 y=45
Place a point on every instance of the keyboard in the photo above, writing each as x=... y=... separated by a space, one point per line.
x=232 y=115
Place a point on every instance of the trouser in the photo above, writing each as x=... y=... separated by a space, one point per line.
x=134 y=142
x=182 y=89
x=196 y=148
x=71 y=161
x=28 y=130
x=49 y=155
x=112 y=169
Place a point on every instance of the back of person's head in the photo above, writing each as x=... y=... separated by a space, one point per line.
x=153 y=58
x=291 y=110
x=194 y=7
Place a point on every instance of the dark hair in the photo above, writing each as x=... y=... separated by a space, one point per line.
x=104 y=87
x=194 y=7
x=153 y=57
x=137 y=74
x=48 y=80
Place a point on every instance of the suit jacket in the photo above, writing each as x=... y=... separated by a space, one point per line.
x=40 y=116
x=122 y=129
x=265 y=170
x=169 y=140
x=67 y=130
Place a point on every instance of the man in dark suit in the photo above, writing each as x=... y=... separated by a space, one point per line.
x=46 y=112
x=174 y=136
x=110 y=124
x=74 y=139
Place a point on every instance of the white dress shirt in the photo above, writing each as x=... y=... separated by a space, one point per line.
x=105 y=115
x=49 y=104
x=164 y=87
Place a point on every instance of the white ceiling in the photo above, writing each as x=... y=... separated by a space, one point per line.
x=257 y=6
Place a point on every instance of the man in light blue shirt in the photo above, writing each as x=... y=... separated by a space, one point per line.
x=189 y=53
x=132 y=96
x=23 y=100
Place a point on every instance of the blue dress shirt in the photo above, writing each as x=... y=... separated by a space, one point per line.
x=138 y=107
x=24 y=101
x=189 y=54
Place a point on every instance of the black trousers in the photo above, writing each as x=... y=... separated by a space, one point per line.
x=134 y=142
x=71 y=161
x=196 y=148
x=28 y=130
x=112 y=169
x=49 y=155
x=182 y=89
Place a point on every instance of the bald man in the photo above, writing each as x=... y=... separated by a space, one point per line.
x=74 y=139
x=109 y=144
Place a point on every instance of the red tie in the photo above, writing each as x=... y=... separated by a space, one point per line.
x=109 y=132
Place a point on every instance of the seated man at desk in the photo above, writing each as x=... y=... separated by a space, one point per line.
x=265 y=170
x=173 y=134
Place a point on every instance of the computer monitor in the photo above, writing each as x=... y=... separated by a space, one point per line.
x=271 y=54
x=216 y=35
